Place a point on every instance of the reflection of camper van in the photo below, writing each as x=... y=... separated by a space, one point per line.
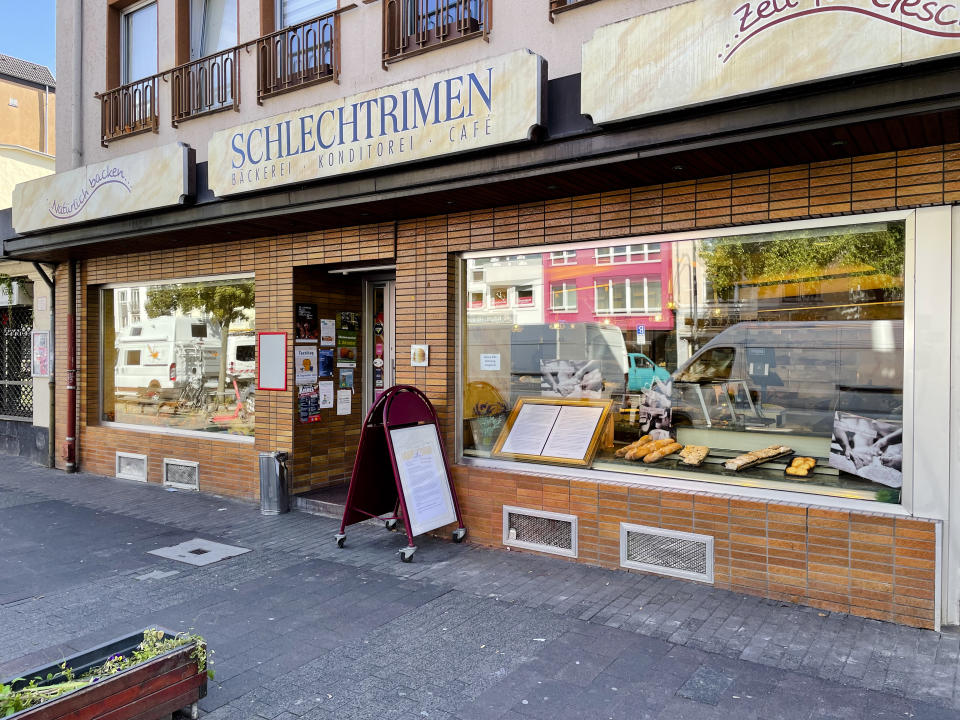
x=163 y=353
x=242 y=355
x=569 y=359
x=793 y=374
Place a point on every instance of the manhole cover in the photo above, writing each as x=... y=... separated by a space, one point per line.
x=199 y=552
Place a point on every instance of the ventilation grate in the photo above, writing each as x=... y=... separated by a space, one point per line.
x=540 y=530
x=131 y=466
x=667 y=552
x=183 y=474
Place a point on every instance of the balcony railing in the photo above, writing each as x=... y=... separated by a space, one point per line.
x=298 y=56
x=205 y=86
x=558 y=6
x=129 y=109
x=412 y=26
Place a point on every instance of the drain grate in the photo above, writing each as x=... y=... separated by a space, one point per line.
x=199 y=552
x=548 y=532
x=667 y=552
x=131 y=466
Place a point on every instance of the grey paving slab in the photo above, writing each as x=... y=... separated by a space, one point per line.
x=301 y=629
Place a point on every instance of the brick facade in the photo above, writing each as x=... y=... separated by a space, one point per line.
x=869 y=564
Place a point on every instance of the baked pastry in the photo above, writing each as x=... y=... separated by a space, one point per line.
x=801 y=466
x=640 y=453
x=663 y=452
x=755 y=457
x=694 y=454
x=632 y=446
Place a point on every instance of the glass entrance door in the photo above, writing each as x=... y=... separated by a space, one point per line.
x=378 y=337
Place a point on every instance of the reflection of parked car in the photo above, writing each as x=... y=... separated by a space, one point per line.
x=643 y=370
x=164 y=353
x=794 y=374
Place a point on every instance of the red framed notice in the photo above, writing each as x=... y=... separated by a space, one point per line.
x=272 y=361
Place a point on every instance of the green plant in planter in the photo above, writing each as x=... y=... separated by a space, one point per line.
x=42 y=689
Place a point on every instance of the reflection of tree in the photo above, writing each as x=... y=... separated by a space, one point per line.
x=795 y=256
x=224 y=304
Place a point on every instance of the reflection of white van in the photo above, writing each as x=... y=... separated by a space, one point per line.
x=242 y=355
x=163 y=353
x=793 y=374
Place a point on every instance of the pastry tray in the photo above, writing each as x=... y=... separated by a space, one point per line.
x=759 y=461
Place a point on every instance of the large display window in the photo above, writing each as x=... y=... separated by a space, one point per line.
x=180 y=355
x=767 y=359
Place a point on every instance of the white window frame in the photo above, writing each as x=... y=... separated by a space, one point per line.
x=565 y=287
x=625 y=254
x=124 y=57
x=606 y=286
x=567 y=257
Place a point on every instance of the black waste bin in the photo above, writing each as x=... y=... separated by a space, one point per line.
x=273 y=483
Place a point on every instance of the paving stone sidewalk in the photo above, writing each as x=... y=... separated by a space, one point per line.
x=301 y=629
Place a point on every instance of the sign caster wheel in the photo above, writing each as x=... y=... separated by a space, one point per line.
x=390 y=525
x=406 y=554
x=340 y=540
x=459 y=534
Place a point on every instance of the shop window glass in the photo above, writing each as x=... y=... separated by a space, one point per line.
x=180 y=355
x=735 y=344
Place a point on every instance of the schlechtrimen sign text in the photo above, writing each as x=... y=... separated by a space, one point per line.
x=707 y=50
x=146 y=180
x=491 y=102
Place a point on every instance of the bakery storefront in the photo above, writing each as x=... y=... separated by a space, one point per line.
x=728 y=364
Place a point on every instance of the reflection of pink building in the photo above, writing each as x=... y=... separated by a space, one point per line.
x=623 y=285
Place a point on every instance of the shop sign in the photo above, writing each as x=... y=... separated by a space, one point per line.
x=148 y=180
x=488 y=103
x=706 y=50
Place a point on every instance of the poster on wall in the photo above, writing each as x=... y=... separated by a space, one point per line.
x=346 y=357
x=348 y=322
x=868 y=448
x=325 y=394
x=328 y=332
x=306 y=318
x=344 y=402
x=419 y=355
x=40 y=353
x=305 y=362
x=309 y=402
x=346 y=379
x=325 y=363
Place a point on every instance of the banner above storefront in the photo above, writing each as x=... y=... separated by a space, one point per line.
x=492 y=102
x=707 y=50
x=146 y=180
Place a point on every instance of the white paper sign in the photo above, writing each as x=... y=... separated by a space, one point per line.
x=490 y=361
x=423 y=477
x=344 y=401
x=325 y=394
x=328 y=332
x=305 y=362
x=531 y=429
x=570 y=438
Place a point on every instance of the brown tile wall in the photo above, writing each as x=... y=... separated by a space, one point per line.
x=868 y=564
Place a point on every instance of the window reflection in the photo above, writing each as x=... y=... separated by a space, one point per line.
x=735 y=343
x=180 y=355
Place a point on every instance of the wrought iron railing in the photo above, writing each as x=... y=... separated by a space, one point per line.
x=129 y=109
x=558 y=6
x=298 y=56
x=204 y=86
x=16 y=384
x=412 y=26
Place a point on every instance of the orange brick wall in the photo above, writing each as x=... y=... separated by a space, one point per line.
x=867 y=564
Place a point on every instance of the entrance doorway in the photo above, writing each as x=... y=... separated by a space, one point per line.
x=378 y=337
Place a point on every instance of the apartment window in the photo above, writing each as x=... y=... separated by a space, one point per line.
x=476 y=300
x=620 y=254
x=414 y=25
x=563 y=297
x=525 y=296
x=294 y=12
x=635 y=296
x=500 y=296
x=138 y=40
x=213 y=27
x=564 y=257
x=134 y=305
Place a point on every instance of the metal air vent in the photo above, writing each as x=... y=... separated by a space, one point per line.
x=540 y=530
x=667 y=552
x=183 y=474
x=131 y=466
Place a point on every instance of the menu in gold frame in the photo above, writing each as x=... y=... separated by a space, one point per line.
x=553 y=430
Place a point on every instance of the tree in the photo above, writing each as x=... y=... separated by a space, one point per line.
x=223 y=304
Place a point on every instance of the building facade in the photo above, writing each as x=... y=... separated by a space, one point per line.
x=27 y=150
x=606 y=220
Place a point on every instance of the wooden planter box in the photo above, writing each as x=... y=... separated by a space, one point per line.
x=150 y=691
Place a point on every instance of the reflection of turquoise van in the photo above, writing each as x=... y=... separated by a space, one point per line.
x=642 y=372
